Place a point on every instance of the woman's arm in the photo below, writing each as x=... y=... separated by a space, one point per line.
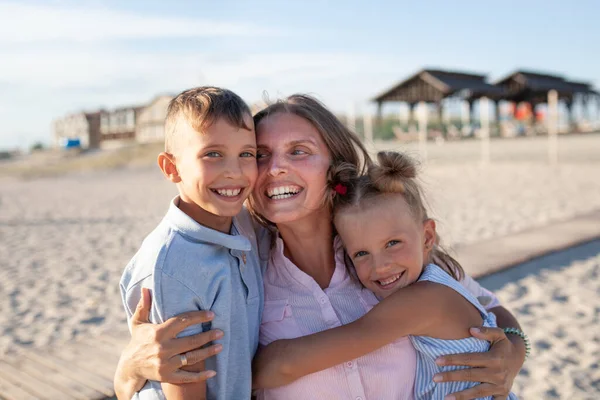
x=423 y=308
x=153 y=353
x=497 y=368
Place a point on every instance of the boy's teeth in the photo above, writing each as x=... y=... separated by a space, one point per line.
x=229 y=192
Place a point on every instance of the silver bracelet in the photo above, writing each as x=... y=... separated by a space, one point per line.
x=523 y=336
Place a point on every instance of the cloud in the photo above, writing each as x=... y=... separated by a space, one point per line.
x=22 y=23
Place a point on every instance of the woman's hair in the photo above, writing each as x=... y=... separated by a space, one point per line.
x=393 y=173
x=344 y=146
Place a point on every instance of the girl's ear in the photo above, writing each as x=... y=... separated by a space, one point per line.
x=429 y=238
x=166 y=163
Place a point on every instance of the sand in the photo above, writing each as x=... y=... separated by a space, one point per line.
x=64 y=242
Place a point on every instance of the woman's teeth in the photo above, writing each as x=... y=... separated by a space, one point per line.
x=282 y=192
x=389 y=280
x=229 y=192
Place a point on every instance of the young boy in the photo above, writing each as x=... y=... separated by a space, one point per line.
x=203 y=254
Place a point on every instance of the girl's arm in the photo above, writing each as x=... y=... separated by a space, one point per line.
x=423 y=308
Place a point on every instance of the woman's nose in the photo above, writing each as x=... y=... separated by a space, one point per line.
x=277 y=165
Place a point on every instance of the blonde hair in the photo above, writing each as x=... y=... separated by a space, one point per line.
x=393 y=173
x=344 y=146
x=201 y=107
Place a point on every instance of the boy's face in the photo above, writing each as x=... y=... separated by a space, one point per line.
x=217 y=168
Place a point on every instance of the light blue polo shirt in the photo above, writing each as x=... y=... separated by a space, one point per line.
x=191 y=267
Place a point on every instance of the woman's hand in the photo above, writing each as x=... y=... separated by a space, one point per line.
x=155 y=353
x=496 y=369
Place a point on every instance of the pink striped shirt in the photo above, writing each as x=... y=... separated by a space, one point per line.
x=295 y=305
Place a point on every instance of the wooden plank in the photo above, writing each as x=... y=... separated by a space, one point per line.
x=11 y=391
x=88 y=360
x=39 y=389
x=52 y=377
x=104 y=345
x=90 y=379
x=120 y=340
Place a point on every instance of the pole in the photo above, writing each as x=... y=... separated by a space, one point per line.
x=553 y=127
x=422 y=118
x=484 y=118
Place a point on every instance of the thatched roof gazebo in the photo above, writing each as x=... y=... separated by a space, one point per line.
x=435 y=85
x=533 y=87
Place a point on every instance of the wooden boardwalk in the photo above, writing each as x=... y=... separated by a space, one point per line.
x=81 y=369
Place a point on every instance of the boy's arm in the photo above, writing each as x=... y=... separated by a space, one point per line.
x=186 y=391
x=423 y=308
x=177 y=298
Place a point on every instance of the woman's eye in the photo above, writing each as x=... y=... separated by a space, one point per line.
x=213 y=154
x=392 y=243
x=260 y=155
x=360 y=253
x=298 y=152
x=247 y=154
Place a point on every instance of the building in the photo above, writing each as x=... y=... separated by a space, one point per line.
x=151 y=120
x=82 y=126
x=118 y=126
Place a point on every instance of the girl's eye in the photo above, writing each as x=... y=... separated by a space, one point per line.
x=392 y=243
x=213 y=154
x=247 y=154
x=360 y=253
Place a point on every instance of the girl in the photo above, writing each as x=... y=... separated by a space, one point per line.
x=392 y=244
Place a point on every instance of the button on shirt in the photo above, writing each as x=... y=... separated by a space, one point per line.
x=191 y=267
x=295 y=305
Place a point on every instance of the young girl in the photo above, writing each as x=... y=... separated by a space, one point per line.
x=392 y=243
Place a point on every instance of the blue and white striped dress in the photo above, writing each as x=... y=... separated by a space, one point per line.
x=428 y=348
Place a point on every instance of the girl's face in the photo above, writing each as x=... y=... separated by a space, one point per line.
x=292 y=168
x=385 y=242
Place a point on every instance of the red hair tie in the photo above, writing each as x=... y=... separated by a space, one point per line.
x=340 y=189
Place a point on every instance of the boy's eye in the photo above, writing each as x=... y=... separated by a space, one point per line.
x=360 y=253
x=212 y=154
x=261 y=155
x=392 y=243
x=247 y=154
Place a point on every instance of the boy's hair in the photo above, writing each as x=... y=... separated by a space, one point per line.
x=394 y=173
x=344 y=146
x=201 y=107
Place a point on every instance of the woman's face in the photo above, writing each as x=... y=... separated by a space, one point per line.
x=292 y=168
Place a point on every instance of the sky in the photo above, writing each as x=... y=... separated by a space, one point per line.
x=59 y=57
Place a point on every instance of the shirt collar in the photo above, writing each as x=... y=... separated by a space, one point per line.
x=188 y=227
x=280 y=261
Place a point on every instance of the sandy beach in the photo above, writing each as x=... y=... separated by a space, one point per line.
x=65 y=241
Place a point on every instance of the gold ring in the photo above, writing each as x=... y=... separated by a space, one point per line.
x=184 y=360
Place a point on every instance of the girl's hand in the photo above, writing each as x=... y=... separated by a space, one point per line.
x=154 y=352
x=496 y=369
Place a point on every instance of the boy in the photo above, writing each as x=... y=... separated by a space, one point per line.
x=203 y=255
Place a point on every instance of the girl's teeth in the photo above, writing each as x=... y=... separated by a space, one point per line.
x=390 y=280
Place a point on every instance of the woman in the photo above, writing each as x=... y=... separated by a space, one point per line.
x=299 y=141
